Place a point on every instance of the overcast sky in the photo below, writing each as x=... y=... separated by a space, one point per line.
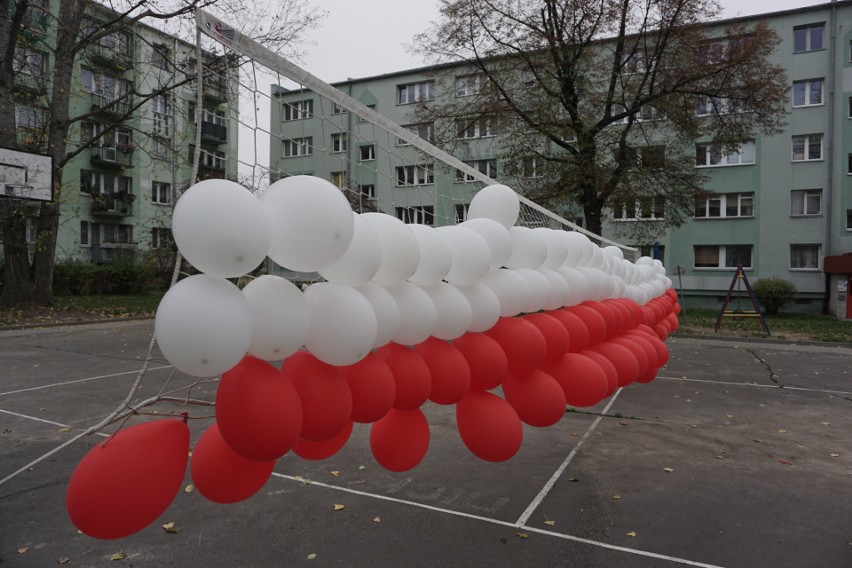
x=362 y=39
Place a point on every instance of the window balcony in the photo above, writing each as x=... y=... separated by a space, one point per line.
x=214 y=132
x=119 y=204
x=112 y=155
x=116 y=58
x=114 y=107
x=30 y=85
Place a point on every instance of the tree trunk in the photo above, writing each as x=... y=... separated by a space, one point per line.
x=17 y=288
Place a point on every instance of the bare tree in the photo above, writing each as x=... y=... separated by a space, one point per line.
x=29 y=273
x=599 y=102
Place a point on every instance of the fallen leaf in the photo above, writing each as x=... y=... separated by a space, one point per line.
x=782 y=430
x=65 y=429
x=631 y=534
x=23 y=549
x=573 y=479
x=120 y=555
x=622 y=423
x=668 y=469
x=759 y=441
x=311 y=556
x=335 y=473
x=63 y=560
x=616 y=497
x=523 y=535
x=693 y=425
x=729 y=415
x=785 y=462
x=720 y=457
x=362 y=467
x=189 y=488
x=339 y=507
x=826 y=423
x=377 y=520
x=834 y=455
x=170 y=528
x=550 y=523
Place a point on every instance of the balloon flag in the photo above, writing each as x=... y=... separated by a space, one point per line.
x=583 y=381
x=487 y=360
x=399 y=441
x=578 y=332
x=659 y=345
x=411 y=375
x=221 y=474
x=449 y=369
x=611 y=319
x=537 y=398
x=644 y=343
x=623 y=359
x=638 y=352
x=555 y=334
x=373 y=388
x=523 y=343
x=594 y=322
x=122 y=485
x=326 y=398
x=323 y=449
x=608 y=368
x=489 y=426
x=258 y=411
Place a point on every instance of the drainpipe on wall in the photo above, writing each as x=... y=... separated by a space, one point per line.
x=832 y=76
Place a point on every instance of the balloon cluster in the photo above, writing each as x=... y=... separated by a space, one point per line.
x=407 y=314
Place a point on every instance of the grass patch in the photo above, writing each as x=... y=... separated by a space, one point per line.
x=792 y=326
x=72 y=309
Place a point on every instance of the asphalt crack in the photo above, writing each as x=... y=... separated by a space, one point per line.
x=772 y=375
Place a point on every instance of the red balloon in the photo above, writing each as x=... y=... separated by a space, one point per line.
x=608 y=368
x=258 y=411
x=662 y=330
x=555 y=334
x=522 y=341
x=399 y=441
x=449 y=369
x=578 y=332
x=649 y=318
x=611 y=319
x=221 y=474
x=677 y=309
x=593 y=320
x=489 y=426
x=122 y=485
x=487 y=360
x=373 y=388
x=320 y=450
x=673 y=322
x=647 y=377
x=636 y=312
x=410 y=373
x=536 y=397
x=659 y=345
x=325 y=394
x=623 y=359
x=645 y=343
x=582 y=380
x=638 y=352
x=660 y=308
x=624 y=311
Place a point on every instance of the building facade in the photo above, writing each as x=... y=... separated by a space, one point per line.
x=781 y=205
x=117 y=193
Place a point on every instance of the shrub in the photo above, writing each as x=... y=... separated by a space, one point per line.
x=774 y=293
x=73 y=277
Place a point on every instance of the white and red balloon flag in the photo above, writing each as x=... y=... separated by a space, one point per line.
x=508 y=323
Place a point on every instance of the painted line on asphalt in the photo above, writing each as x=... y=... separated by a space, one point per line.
x=51 y=422
x=76 y=381
x=780 y=387
x=508 y=524
x=558 y=473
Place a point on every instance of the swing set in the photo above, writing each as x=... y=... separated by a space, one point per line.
x=739 y=281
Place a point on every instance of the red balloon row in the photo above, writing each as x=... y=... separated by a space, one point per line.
x=575 y=356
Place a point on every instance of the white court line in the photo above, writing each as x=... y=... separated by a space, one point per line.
x=781 y=387
x=498 y=522
x=83 y=380
x=52 y=423
x=555 y=477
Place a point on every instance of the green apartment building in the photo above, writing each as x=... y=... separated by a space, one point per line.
x=781 y=206
x=118 y=193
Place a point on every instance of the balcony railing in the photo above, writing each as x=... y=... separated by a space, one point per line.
x=117 y=58
x=213 y=132
x=25 y=82
x=111 y=105
x=118 y=155
x=112 y=204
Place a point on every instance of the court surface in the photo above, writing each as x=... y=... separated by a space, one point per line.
x=738 y=455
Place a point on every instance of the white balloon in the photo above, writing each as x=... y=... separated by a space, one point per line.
x=559 y=289
x=280 y=315
x=594 y=283
x=454 y=312
x=400 y=251
x=484 y=304
x=436 y=255
x=343 y=324
x=387 y=311
x=578 y=285
x=529 y=249
x=540 y=289
x=361 y=260
x=498 y=202
x=613 y=251
x=496 y=235
x=579 y=249
x=510 y=288
x=645 y=261
x=312 y=222
x=471 y=255
x=557 y=248
x=418 y=315
x=620 y=287
x=221 y=228
x=203 y=325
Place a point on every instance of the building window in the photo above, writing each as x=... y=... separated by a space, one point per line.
x=161 y=238
x=367 y=153
x=487 y=167
x=469 y=85
x=461 y=212
x=337 y=109
x=114 y=233
x=415 y=92
x=805 y=202
x=807 y=93
x=808 y=38
x=85 y=233
x=719 y=105
x=371 y=107
x=298 y=147
x=657 y=251
x=849 y=115
x=160 y=57
x=338 y=179
x=807 y=147
x=725 y=205
x=715 y=155
x=420 y=174
x=29 y=62
x=368 y=190
x=849 y=219
x=161 y=192
x=96 y=182
x=479 y=127
x=298 y=110
x=804 y=257
x=532 y=167
x=159 y=148
x=650 y=208
x=425 y=130
x=722 y=256
x=419 y=214
x=338 y=142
